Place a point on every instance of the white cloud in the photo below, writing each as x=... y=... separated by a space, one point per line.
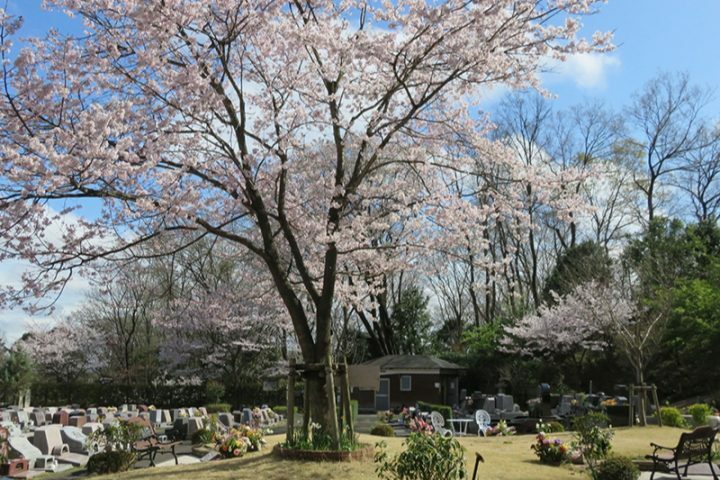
x=586 y=70
x=13 y=322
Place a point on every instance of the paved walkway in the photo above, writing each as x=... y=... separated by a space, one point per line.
x=696 y=472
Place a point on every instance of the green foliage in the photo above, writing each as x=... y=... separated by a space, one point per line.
x=110 y=462
x=282 y=410
x=203 y=437
x=210 y=433
x=218 y=407
x=411 y=322
x=214 y=391
x=700 y=413
x=553 y=427
x=318 y=440
x=579 y=264
x=444 y=410
x=672 y=417
x=426 y=457
x=616 y=468
x=592 y=438
x=17 y=373
x=118 y=436
x=383 y=430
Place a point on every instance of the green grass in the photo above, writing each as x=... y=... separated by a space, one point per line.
x=505 y=457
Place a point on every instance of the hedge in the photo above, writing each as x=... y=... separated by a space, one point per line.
x=444 y=410
x=218 y=407
x=162 y=396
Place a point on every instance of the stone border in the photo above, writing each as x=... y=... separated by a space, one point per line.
x=366 y=451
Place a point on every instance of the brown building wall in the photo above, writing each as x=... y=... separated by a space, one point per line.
x=422 y=389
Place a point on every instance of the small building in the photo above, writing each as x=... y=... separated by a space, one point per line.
x=394 y=380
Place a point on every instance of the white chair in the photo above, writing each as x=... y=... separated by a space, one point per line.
x=482 y=418
x=438 y=423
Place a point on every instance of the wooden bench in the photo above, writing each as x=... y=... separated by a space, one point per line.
x=150 y=444
x=150 y=447
x=694 y=447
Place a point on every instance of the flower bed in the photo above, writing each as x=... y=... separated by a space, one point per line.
x=363 y=452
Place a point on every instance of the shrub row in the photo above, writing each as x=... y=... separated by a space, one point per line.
x=444 y=410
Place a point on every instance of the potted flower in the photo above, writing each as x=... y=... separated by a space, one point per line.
x=550 y=451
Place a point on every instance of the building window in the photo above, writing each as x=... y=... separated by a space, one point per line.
x=405 y=383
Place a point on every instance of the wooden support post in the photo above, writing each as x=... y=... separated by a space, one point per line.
x=347 y=408
x=291 y=403
x=306 y=410
x=643 y=405
x=631 y=416
x=657 y=405
x=332 y=407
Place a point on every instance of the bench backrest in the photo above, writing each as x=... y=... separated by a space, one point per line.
x=697 y=443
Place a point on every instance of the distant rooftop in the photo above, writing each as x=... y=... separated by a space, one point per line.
x=412 y=362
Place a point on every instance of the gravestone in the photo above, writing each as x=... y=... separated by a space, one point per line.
x=247 y=417
x=61 y=418
x=203 y=411
x=226 y=419
x=5 y=416
x=504 y=402
x=91 y=427
x=124 y=407
x=166 y=417
x=194 y=424
x=489 y=405
x=77 y=441
x=12 y=428
x=156 y=417
x=38 y=417
x=49 y=440
x=102 y=411
x=78 y=421
x=180 y=428
x=21 y=417
x=191 y=412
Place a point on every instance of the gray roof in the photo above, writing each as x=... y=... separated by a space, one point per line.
x=412 y=362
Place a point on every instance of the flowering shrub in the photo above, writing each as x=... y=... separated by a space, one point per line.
x=551 y=451
x=233 y=446
x=386 y=416
x=591 y=439
x=240 y=440
x=418 y=425
x=501 y=430
x=426 y=457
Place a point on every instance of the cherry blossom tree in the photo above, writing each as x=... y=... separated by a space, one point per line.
x=298 y=130
x=63 y=352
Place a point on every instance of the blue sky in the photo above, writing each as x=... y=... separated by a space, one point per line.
x=652 y=36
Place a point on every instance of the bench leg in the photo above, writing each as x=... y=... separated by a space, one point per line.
x=712 y=469
x=174 y=454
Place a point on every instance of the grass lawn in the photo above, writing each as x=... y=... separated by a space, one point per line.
x=505 y=457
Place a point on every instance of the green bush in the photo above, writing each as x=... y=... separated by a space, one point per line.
x=700 y=413
x=583 y=423
x=203 y=437
x=554 y=427
x=672 y=417
x=218 y=407
x=444 y=410
x=383 y=430
x=214 y=391
x=426 y=457
x=111 y=462
x=282 y=410
x=616 y=468
x=592 y=438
